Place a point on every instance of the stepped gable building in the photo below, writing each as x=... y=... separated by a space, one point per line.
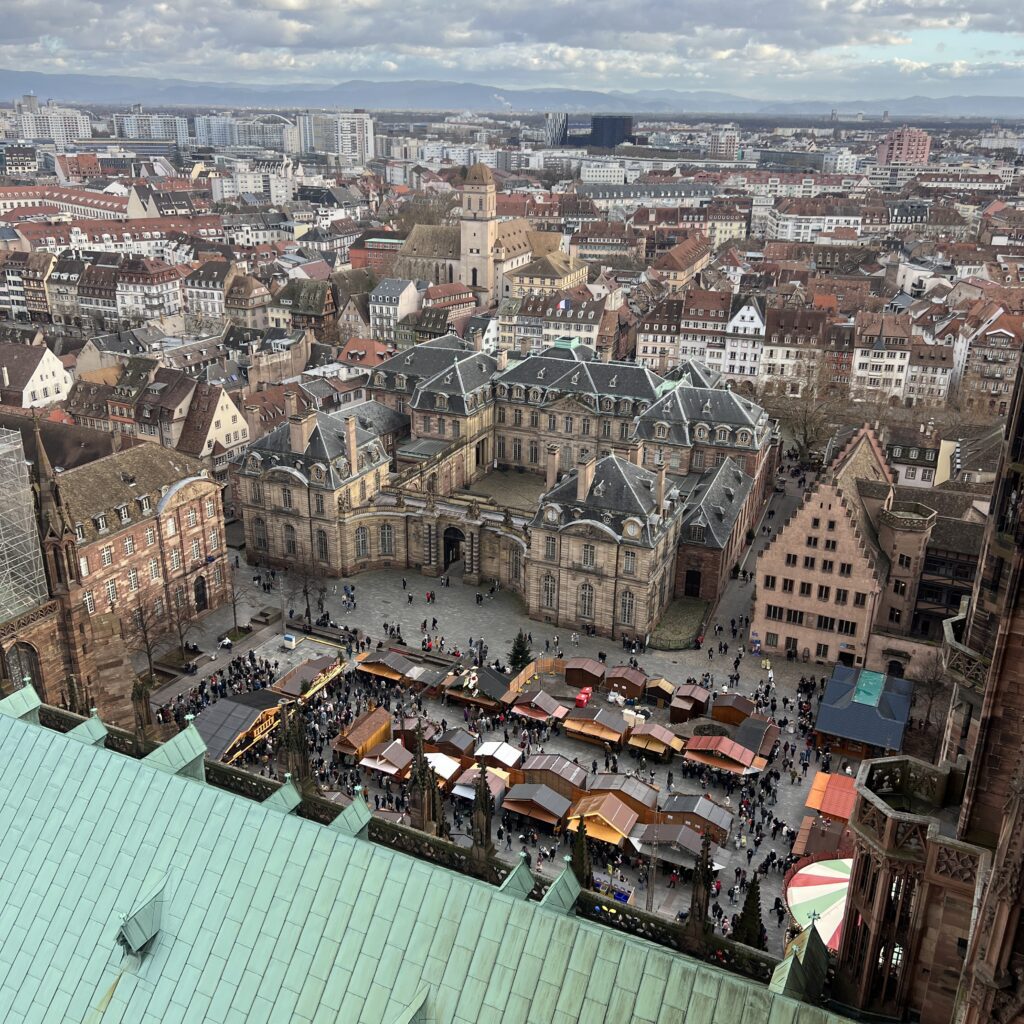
x=453 y=416
x=480 y=250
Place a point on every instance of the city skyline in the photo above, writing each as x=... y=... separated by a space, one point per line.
x=845 y=50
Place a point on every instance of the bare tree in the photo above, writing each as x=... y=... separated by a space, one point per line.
x=146 y=631
x=181 y=620
x=807 y=405
x=932 y=682
x=305 y=583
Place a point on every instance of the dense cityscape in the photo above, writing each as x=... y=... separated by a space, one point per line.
x=514 y=565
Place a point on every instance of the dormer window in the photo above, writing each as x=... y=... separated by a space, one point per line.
x=122 y=513
x=743 y=437
x=722 y=435
x=379 y=380
x=101 y=523
x=400 y=382
x=144 y=503
x=702 y=433
x=79 y=531
x=661 y=430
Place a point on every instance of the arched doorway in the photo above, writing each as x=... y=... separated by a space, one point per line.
x=454 y=538
x=20 y=664
x=896 y=668
x=199 y=593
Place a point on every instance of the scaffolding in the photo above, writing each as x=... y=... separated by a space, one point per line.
x=22 y=577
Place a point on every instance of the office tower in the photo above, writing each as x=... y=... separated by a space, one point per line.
x=609 y=130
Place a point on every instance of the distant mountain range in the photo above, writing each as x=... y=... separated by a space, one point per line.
x=433 y=95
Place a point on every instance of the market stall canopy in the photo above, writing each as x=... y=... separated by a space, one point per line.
x=390 y=758
x=656 y=738
x=384 y=665
x=628 y=681
x=608 y=819
x=583 y=672
x=724 y=753
x=732 y=707
x=308 y=678
x=832 y=795
x=661 y=686
x=865 y=707
x=689 y=701
x=445 y=767
x=498 y=754
x=674 y=844
x=818 y=835
x=456 y=742
x=539 y=802
x=223 y=724
x=465 y=784
x=699 y=809
x=818 y=892
x=366 y=731
x=758 y=734
x=633 y=791
x=569 y=772
x=595 y=723
x=539 y=706
x=483 y=683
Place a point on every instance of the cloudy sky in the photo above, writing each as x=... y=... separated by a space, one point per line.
x=762 y=48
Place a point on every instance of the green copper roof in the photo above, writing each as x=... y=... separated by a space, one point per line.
x=869 y=688
x=131 y=894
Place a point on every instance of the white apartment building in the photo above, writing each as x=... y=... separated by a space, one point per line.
x=347 y=133
x=152 y=126
x=391 y=300
x=799 y=221
x=275 y=181
x=744 y=339
x=219 y=130
x=61 y=124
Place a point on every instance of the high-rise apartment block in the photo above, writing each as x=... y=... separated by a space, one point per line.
x=556 y=128
x=904 y=146
x=61 y=124
x=346 y=133
x=152 y=126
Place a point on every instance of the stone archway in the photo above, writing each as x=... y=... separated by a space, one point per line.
x=454 y=539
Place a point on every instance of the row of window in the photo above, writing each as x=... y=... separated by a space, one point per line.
x=124 y=517
x=585 y=601
x=772 y=640
x=842 y=596
x=827 y=564
x=795 y=617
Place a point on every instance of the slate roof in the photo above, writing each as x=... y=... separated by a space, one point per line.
x=20 y=362
x=714 y=500
x=682 y=409
x=419 y=362
x=866 y=707
x=434 y=241
x=466 y=376
x=327 y=447
x=269 y=916
x=620 y=491
x=304 y=296
x=559 y=372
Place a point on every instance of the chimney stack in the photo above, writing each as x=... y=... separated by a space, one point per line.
x=478 y=341
x=502 y=358
x=638 y=455
x=660 y=492
x=585 y=477
x=352 y=445
x=7 y=379
x=552 y=477
x=291 y=404
x=300 y=429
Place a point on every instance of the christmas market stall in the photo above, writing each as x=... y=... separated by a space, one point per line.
x=309 y=678
x=580 y=672
x=368 y=730
x=389 y=758
x=595 y=725
x=732 y=708
x=688 y=702
x=700 y=813
x=607 y=818
x=630 y=683
x=562 y=775
x=538 y=706
x=636 y=794
x=655 y=740
x=497 y=754
x=832 y=796
x=235 y=723
x=540 y=804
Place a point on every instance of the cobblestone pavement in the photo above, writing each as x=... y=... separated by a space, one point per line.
x=381 y=599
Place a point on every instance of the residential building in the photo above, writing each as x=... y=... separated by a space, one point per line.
x=152 y=126
x=390 y=301
x=904 y=145
x=31 y=376
x=148 y=290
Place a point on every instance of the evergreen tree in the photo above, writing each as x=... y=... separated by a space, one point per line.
x=580 y=862
x=519 y=657
x=750 y=927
